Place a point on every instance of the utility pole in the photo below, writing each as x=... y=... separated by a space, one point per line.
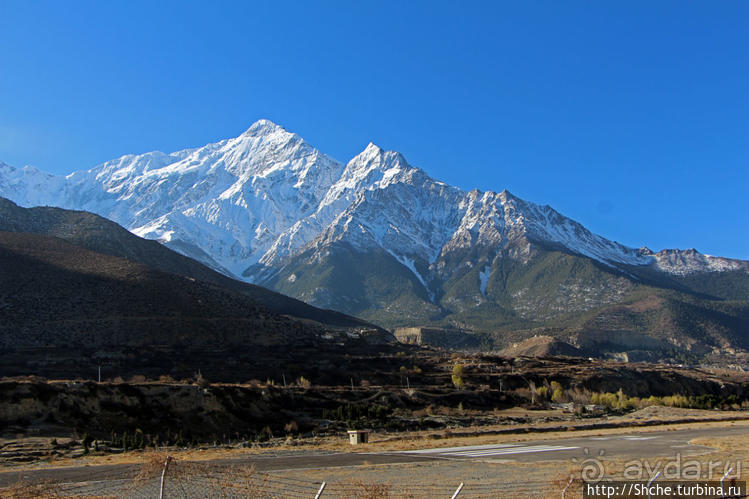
x=99 y=373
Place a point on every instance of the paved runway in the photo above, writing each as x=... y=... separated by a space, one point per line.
x=630 y=445
x=634 y=445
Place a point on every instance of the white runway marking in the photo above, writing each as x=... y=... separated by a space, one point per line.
x=626 y=437
x=513 y=450
x=444 y=450
x=491 y=450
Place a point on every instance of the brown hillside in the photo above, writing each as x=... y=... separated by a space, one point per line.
x=541 y=346
x=98 y=234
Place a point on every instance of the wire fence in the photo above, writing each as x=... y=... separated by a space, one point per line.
x=267 y=487
x=159 y=476
x=166 y=478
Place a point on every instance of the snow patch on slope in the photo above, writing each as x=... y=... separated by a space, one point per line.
x=484 y=279
x=409 y=264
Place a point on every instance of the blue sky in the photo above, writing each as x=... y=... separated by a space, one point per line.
x=631 y=117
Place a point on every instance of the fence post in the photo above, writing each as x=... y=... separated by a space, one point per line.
x=319 y=492
x=163 y=476
x=651 y=481
x=725 y=476
x=564 y=491
x=460 y=487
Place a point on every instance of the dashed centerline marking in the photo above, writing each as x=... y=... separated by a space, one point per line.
x=623 y=437
x=444 y=450
x=515 y=450
x=491 y=450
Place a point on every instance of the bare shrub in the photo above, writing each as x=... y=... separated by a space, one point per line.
x=579 y=395
x=241 y=480
x=179 y=473
x=267 y=433
x=522 y=393
x=201 y=381
x=152 y=465
x=420 y=413
x=532 y=387
x=565 y=485
x=291 y=427
x=21 y=489
x=304 y=382
x=371 y=490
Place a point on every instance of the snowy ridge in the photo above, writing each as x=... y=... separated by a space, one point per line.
x=685 y=262
x=253 y=202
x=35 y=187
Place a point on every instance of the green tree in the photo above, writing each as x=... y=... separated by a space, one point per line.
x=457 y=376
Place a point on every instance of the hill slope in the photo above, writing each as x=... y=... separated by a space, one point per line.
x=98 y=234
x=66 y=308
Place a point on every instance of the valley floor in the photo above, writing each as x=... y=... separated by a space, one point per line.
x=416 y=464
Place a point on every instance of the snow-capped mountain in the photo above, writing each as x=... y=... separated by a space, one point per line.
x=227 y=202
x=269 y=208
x=262 y=196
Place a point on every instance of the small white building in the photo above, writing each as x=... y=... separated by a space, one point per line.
x=356 y=437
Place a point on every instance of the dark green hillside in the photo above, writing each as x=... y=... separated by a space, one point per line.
x=598 y=308
x=732 y=285
x=374 y=286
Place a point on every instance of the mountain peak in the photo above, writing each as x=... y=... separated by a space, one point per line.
x=263 y=127
x=506 y=196
x=371 y=151
x=366 y=157
x=374 y=158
